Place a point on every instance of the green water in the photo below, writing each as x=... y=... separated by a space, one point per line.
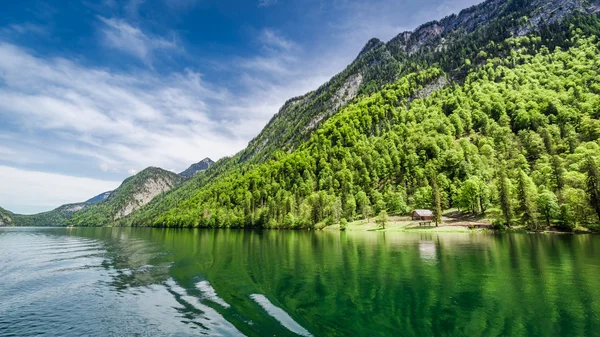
x=147 y=282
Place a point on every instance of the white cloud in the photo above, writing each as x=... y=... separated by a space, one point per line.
x=43 y=191
x=121 y=120
x=119 y=34
x=273 y=39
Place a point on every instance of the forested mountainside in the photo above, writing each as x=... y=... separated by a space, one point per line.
x=446 y=44
x=457 y=44
x=6 y=217
x=298 y=172
x=516 y=138
x=135 y=192
x=198 y=167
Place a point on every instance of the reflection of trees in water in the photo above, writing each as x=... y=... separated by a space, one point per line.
x=133 y=257
x=338 y=284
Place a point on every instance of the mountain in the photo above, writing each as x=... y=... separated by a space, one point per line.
x=107 y=207
x=135 y=192
x=200 y=166
x=99 y=198
x=56 y=217
x=493 y=111
x=6 y=217
x=445 y=43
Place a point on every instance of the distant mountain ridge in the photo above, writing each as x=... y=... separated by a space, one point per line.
x=195 y=168
x=135 y=192
x=99 y=198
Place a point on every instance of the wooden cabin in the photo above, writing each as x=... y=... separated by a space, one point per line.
x=422 y=214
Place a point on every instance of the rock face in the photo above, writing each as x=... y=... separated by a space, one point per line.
x=6 y=218
x=437 y=35
x=200 y=166
x=145 y=193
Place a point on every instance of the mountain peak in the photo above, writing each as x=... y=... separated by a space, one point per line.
x=200 y=166
x=371 y=44
x=436 y=35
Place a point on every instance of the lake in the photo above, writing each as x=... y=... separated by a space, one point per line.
x=160 y=282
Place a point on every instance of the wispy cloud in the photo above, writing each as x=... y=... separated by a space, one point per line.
x=272 y=39
x=277 y=56
x=120 y=35
x=121 y=120
x=42 y=191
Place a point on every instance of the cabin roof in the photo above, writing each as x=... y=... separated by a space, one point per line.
x=423 y=212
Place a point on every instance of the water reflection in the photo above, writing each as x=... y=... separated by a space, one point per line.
x=427 y=250
x=287 y=283
x=280 y=315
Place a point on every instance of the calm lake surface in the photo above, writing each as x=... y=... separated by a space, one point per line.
x=147 y=282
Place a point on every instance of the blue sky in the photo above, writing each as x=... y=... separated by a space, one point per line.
x=94 y=91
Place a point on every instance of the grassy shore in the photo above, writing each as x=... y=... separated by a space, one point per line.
x=452 y=222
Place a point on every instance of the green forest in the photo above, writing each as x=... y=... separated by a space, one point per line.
x=515 y=141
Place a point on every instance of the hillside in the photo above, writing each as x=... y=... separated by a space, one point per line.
x=134 y=192
x=6 y=217
x=515 y=138
x=56 y=217
x=445 y=44
x=456 y=45
x=195 y=168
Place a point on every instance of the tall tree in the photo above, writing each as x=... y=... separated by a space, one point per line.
x=548 y=205
x=437 y=200
x=504 y=191
x=593 y=184
x=525 y=194
x=557 y=172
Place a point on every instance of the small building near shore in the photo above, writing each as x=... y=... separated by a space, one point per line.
x=422 y=214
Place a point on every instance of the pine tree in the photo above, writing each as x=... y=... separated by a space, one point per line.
x=437 y=201
x=593 y=184
x=526 y=206
x=557 y=172
x=505 y=197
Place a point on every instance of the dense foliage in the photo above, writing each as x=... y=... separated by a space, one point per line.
x=518 y=140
